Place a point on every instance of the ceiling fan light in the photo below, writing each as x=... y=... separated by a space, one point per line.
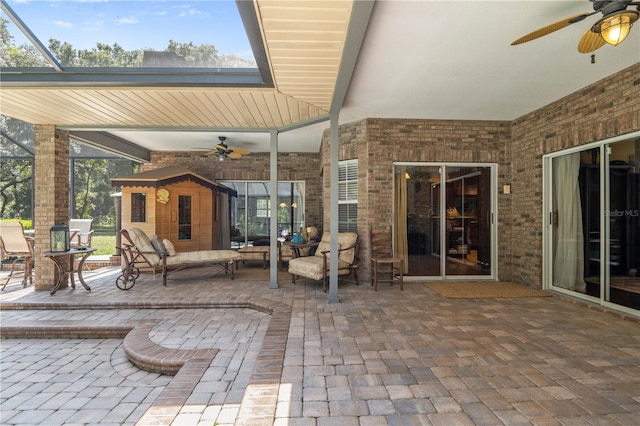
x=221 y=158
x=615 y=27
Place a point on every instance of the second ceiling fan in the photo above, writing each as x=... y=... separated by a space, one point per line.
x=222 y=150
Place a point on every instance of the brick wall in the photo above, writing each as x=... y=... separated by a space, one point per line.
x=603 y=110
x=378 y=143
x=51 y=196
x=291 y=166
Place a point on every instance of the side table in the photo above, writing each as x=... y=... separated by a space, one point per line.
x=296 y=247
x=65 y=264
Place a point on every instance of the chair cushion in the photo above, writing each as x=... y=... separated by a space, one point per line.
x=311 y=267
x=168 y=245
x=324 y=246
x=347 y=239
x=143 y=244
x=203 y=256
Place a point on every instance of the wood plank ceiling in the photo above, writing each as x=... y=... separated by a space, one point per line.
x=304 y=42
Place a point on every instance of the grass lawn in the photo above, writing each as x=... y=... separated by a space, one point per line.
x=105 y=244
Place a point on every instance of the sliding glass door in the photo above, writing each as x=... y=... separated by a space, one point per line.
x=251 y=211
x=444 y=219
x=594 y=222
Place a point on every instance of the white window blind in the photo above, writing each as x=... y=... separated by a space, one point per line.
x=348 y=196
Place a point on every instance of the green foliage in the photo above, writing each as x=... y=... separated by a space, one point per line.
x=92 y=189
x=105 y=55
x=26 y=223
x=15 y=188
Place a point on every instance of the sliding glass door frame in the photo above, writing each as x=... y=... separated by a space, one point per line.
x=493 y=218
x=604 y=150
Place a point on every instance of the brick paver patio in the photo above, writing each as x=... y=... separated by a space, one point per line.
x=247 y=354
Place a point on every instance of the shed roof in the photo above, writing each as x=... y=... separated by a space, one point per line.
x=166 y=176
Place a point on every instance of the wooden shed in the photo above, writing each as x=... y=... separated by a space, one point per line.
x=179 y=205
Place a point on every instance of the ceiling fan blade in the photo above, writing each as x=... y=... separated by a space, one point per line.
x=222 y=147
x=590 y=41
x=241 y=151
x=551 y=28
x=234 y=155
x=214 y=152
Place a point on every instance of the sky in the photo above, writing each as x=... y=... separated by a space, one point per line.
x=146 y=24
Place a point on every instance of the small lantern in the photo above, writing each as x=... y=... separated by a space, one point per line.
x=59 y=238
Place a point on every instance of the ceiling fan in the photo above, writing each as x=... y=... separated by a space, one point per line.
x=612 y=28
x=223 y=151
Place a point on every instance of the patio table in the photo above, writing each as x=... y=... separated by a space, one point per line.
x=65 y=264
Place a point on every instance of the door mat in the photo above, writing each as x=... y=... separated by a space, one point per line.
x=255 y=272
x=484 y=290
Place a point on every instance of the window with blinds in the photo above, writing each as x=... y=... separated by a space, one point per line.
x=348 y=196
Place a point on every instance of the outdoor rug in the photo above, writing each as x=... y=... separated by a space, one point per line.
x=484 y=290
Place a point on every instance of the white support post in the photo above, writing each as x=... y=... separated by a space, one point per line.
x=333 y=210
x=273 y=231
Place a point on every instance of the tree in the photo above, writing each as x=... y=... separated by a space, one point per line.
x=15 y=188
x=12 y=55
x=16 y=168
x=92 y=189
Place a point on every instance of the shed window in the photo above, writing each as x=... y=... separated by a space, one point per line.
x=138 y=207
x=184 y=217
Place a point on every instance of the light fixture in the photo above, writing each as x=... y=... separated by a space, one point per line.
x=221 y=158
x=293 y=205
x=59 y=238
x=615 y=27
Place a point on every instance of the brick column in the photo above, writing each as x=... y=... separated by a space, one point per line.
x=51 y=196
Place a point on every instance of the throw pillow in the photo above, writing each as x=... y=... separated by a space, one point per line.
x=168 y=245
x=158 y=246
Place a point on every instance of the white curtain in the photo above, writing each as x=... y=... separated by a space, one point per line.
x=225 y=222
x=568 y=264
x=401 y=243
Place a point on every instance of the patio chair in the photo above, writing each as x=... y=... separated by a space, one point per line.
x=83 y=232
x=15 y=245
x=385 y=267
x=316 y=267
